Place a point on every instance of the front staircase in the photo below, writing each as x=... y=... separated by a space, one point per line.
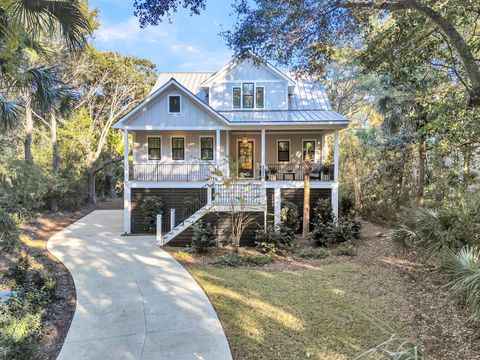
x=241 y=197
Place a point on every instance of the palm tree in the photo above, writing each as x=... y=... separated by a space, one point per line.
x=24 y=25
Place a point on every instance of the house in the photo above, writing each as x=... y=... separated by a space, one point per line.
x=264 y=119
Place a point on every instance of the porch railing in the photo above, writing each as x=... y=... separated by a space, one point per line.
x=294 y=172
x=170 y=172
x=239 y=194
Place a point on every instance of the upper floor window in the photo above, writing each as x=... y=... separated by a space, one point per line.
x=259 y=97
x=206 y=148
x=283 y=150
x=248 y=91
x=237 y=97
x=174 y=104
x=178 y=148
x=154 y=148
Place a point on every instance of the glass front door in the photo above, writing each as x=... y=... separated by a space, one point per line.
x=245 y=159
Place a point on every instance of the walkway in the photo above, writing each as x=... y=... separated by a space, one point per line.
x=134 y=301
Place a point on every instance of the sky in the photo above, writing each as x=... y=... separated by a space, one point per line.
x=189 y=43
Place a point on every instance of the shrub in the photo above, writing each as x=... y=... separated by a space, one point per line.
x=290 y=217
x=8 y=230
x=151 y=207
x=463 y=271
x=346 y=205
x=433 y=231
x=323 y=212
x=203 y=237
x=235 y=260
x=313 y=253
x=352 y=227
x=271 y=241
x=346 y=249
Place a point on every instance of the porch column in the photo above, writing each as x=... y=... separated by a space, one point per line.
x=125 y=155
x=263 y=156
x=127 y=208
x=227 y=151
x=335 y=176
x=277 y=194
x=217 y=146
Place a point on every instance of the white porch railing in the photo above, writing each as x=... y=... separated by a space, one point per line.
x=170 y=171
x=239 y=194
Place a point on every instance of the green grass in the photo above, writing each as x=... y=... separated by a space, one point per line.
x=304 y=314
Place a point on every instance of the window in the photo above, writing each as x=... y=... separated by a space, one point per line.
x=154 y=148
x=237 y=97
x=178 y=148
x=283 y=150
x=248 y=89
x=259 y=98
x=309 y=149
x=174 y=104
x=206 y=148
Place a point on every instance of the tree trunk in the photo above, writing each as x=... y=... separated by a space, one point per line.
x=357 y=186
x=55 y=159
x=467 y=157
x=92 y=177
x=28 y=133
x=112 y=193
x=422 y=156
x=307 y=169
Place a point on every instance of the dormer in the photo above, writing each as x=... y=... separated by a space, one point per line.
x=248 y=86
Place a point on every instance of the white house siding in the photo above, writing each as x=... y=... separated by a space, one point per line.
x=156 y=114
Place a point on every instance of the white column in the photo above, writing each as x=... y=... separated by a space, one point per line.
x=159 y=230
x=335 y=157
x=335 y=200
x=125 y=155
x=227 y=151
x=263 y=156
x=217 y=146
x=324 y=148
x=172 y=219
x=127 y=207
x=277 y=200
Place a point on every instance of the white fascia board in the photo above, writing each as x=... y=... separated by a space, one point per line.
x=159 y=127
x=120 y=124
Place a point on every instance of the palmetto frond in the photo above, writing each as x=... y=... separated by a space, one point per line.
x=10 y=112
x=44 y=16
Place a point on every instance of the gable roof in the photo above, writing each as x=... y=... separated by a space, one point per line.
x=190 y=80
x=122 y=123
x=234 y=63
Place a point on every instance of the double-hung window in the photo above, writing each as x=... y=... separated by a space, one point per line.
x=154 y=148
x=178 y=148
x=248 y=95
x=283 y=151
x=174 y=104
x=206 y=148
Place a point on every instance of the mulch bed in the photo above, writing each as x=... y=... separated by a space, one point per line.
x=34 y=241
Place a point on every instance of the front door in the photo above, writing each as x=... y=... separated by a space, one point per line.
x=245 y=159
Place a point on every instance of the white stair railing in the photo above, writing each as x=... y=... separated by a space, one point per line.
x=159 y=230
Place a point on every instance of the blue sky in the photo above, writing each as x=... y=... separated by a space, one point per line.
x=189 y=43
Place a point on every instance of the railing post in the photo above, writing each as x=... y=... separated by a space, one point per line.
x=159 y=230
x=209 y=195
x=262 y=168
x=172 y=219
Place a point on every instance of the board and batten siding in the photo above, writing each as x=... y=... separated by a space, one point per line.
x=191 y=114
x=276 y=89
x=296 y=196
x=192 y=144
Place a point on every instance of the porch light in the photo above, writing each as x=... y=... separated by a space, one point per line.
x=245 y=140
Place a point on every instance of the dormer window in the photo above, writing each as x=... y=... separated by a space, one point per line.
x=174 y=104
x=248 y=96
x=248 y=91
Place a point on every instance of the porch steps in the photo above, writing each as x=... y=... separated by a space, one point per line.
x=177 y=230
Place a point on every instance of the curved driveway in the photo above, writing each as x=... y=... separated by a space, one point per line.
x=133 y=300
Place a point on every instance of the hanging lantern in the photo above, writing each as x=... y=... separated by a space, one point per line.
x=245 y=140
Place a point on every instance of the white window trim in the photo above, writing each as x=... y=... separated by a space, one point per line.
x=289 y=150
x=168 y=104
x=184 y=147
x=315 y=149
x=161 y=148
x=253 y=102
x=239 y=140
x=258 y=87
x=200 y=147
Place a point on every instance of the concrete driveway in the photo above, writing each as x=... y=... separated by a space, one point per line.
x=133 y=300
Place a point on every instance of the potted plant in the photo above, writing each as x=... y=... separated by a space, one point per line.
x=272 y=174
x=325 y=172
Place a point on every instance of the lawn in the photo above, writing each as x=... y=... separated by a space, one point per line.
x=295 y=314
x=306 y=309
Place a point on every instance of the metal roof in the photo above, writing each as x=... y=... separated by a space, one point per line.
x=285 y=116
x=308 y=94
x=190 y=80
